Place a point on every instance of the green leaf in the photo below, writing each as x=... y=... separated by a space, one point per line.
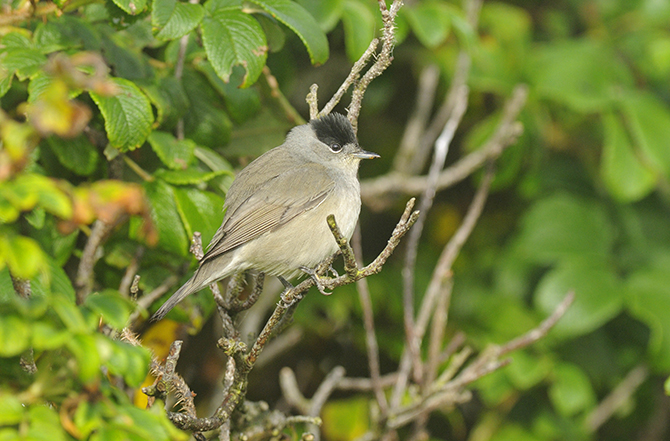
x=296 y=18
x=111 y=306
x=326 y=12
x=430 y=22
x=627 y=179
x=23 y=256
x=200 y=211
x=242 y=104
x=69 y=314
x=345 y=418
x=76 y=154
x=649 y=121
x=132 y=7
x=84 y=349
x=47 y=336
x=583 y=74
x=14 y=335
x=45 y=425
x=562 y=226
x=598 y=296
x=176 y=154
x=204 y=123
x=359 y=28
x=231 y=38
x=649 y=301
x=11 y=409
x=137 y=360
x=128 y=116
x=571 y=392
x=24 y=62
x=168 y=97
x=165 y=215
x=172 y=19
x=189 y=176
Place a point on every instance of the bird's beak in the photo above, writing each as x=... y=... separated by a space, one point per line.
x=363 y=154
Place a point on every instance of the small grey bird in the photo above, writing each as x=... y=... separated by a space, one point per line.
x=276 y=209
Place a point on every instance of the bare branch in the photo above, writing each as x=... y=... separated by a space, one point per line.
x=458 y=100
x=369 y=324
x=383 y=60
x=89 y=256
x=418 y=120
x=617 y=398
x=373 y=191
x=442 y=271
x=353 y=76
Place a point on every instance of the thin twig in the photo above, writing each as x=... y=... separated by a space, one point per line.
x=425 y=97
x=458 y=99
x=369 y=324
x=374 y=190
x=353 y=76
x=383 y=60
x=322 y=394
x=131 y=272
x=276 y=93
x=89 y=256
x=617 y=398
x=441 y=271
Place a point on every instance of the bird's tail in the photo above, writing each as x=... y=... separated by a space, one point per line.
x=185 y=290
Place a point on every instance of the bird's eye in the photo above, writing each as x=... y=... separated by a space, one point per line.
x=335 y=147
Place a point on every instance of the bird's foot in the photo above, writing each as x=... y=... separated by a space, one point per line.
x=318 y=281
x=288 y=286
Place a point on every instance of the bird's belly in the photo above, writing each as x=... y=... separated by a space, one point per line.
x=306 y=240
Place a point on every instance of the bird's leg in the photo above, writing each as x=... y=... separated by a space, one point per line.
x=287 y=287
x=317 y=280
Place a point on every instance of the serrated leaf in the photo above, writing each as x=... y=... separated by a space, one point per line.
x=14 y=335
x=176 y=154
x=359 y=28
x=164 y=214
x=172 y=19
x=200 y=210
x=132 y=7
x=76 y=154
x=430 y=22
x=111 y=306
x=189 y=176
x=231 y=38
x=598 y=296
x=24 y=62
x=626 y=177
x=296 y=18
x=128 y=116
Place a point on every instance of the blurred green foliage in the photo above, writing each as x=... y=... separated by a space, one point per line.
x=107 y=113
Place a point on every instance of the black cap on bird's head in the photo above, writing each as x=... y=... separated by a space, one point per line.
x=336 y=131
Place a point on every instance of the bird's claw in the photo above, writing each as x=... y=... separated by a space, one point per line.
x=317 y=280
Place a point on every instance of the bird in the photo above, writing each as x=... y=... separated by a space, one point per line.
x=276 y=208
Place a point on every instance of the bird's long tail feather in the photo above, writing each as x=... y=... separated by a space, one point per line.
x=177 y=297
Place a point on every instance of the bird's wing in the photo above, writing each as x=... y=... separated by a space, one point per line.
x=275 y=203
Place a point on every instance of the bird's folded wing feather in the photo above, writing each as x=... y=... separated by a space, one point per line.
x=275 y=203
